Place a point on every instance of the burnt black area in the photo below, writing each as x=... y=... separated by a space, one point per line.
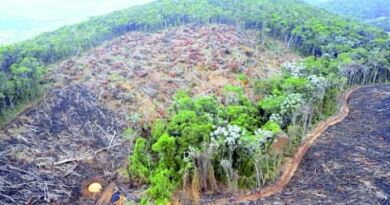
x=350 y=162
x=70 y=123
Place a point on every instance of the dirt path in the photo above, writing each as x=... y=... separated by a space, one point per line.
x=348 y=164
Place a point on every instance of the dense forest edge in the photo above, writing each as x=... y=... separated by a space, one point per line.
x=206 y=144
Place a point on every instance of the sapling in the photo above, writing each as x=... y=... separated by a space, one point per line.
x=139 y=163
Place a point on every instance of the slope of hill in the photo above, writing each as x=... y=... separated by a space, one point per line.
x=309 y=30
x=135 y=76
x=22 y=20
x=138 y=73
x=375 y=12
x=208 y=139
x=362 y=9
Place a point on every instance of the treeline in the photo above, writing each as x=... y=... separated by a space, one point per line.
x=311 y=31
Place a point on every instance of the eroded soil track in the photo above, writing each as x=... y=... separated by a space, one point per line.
x=350 y=162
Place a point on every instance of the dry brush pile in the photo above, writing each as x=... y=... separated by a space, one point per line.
x=47 y=152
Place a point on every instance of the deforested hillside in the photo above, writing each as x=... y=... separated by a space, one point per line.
x=138 y=73
x=128 y=82
x=178 y=101
x=302 y=27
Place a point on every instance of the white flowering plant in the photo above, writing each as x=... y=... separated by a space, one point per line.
x=294 y=69
x=226 y=137
x=317 y=86
x=291 y=103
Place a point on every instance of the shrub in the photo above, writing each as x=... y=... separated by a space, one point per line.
x=272 y=126
x=165 y=147
x=271 y=104
x=139 y=161
x=161 y=188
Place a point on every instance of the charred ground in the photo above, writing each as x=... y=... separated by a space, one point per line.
x=52 y=148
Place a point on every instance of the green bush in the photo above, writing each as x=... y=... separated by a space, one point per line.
x=161 y=187
x=272 y=104
x=165 y=147
x=139 y=163
x=272 y=126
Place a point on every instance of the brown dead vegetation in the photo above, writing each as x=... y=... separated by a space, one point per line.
x=48 y=152
x=138 y=73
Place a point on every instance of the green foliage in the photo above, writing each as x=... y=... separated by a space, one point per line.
x=182 y=102
x=295 y=85
x=242 y=116
x=158 y=130
x=207 y=105
x=235 y=96
x=139 y=163
x=161 y=187
x=272 y=126
x=19 y=84
x=269 y=86
x=272 y=104
x=165 y=147
x=330 y=102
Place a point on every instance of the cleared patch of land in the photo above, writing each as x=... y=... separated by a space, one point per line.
x=139 y=73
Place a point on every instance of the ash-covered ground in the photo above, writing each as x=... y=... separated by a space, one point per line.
x=47 y=153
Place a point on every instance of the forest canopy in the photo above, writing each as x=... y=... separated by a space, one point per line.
x=374 y=12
